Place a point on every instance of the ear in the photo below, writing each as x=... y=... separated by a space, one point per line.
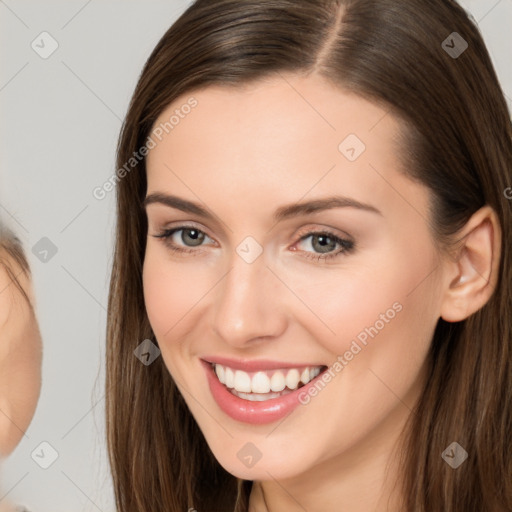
x=472 y=274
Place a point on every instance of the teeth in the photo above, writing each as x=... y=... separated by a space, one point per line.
x=230 y=377
x=255 y=397
x=260 y=383
x=264 y=385
x=277 y=382
x=242 y=381
x=313 y=373
x=292 y=379
x=219 y=370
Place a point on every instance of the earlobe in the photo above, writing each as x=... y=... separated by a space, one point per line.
x=473 y=274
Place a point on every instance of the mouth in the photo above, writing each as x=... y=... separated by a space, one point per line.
x=264 y=385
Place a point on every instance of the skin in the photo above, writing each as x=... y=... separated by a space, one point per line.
x=242 y=153
x=20 y=358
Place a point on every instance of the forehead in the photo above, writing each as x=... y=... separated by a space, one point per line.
x=284 y=136
x=274 y=112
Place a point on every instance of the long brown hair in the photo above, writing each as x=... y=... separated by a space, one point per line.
x=457 y=142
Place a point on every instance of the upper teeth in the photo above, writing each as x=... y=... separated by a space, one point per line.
x=265 y=381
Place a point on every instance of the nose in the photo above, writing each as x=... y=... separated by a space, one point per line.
x=248 y=307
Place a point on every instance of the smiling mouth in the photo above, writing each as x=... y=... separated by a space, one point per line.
x=265 y=385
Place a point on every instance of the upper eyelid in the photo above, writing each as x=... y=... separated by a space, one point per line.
x=183 y=225
x=285 y=214
x=301 y=232
x=324 y=230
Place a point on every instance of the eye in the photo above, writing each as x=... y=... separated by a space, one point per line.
x=326 y=245
x=183 y=238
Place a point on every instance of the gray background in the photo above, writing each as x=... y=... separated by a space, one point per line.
x=60 y=121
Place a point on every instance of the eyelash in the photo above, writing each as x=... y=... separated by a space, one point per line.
x=348 y=246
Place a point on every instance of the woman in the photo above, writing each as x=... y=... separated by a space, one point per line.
x=310 y=299
x=20 y=360
x=20 y=347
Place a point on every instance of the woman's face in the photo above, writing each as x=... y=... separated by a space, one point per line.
x=277 y=291
x=20 y=358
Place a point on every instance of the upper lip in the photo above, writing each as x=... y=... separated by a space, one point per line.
x=255 y=365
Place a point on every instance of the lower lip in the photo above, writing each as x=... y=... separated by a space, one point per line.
x=257 y=413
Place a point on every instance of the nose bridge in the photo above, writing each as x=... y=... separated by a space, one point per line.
x=247 y=305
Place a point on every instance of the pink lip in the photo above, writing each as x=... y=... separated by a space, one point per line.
x=257 y=413
x=256 y=365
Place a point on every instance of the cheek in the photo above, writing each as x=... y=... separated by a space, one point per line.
x=171 y=291
x=393 y=299
x=20 y=379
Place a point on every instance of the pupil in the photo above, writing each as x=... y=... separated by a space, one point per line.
x=192 y=237
x=325 y=244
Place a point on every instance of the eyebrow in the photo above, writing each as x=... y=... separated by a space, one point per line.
x=282 y=213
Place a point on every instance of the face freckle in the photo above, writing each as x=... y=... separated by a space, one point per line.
x=234 y=279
